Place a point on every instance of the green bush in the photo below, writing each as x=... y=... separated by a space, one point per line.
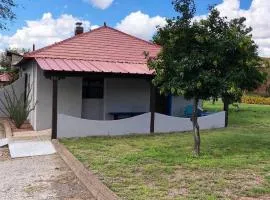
x=17 y=108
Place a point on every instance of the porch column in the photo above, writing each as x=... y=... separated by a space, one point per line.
x=54 y=107
x=152 y=107
x=25 y=86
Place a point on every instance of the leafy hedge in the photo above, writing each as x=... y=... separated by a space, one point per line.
x=256 y=100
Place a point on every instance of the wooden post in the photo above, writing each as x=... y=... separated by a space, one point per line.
x=54 y=107
x=152 y=107
x=25 y=87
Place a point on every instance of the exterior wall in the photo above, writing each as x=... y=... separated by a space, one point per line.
x=18 y=86
x=92 y=109
x=126 y=95
x=178 y=106
x=31 y=71
x=165 y=124
x=75 y=127
x=69 y=99
x=120 y=95
x=69 y=127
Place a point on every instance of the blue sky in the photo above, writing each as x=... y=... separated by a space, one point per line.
x=34 y=9
x=44 y=22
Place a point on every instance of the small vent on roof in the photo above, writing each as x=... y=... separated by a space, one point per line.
x=78 y=28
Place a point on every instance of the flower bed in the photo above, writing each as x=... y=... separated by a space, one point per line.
x=256 y=100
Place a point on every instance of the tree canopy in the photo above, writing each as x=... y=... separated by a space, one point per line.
x=188 y=62
x=239 y=59
x=6 y=12
x=209 y=58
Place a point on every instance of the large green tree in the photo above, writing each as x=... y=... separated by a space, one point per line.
x=188 y=62
x=239 y=58
x=6 y=12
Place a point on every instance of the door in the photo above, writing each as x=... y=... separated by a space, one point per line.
x=92 y=99
x=163 y=104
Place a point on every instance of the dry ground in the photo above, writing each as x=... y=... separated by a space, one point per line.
x=37 y=178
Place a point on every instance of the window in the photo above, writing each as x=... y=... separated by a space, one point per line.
x=93 y=88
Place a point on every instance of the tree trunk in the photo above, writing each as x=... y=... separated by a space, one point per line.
x=196 y=128
x=226 y=109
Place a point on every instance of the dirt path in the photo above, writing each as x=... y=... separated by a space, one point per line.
x=37 y=178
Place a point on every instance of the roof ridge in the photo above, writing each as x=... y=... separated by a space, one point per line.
x=30 y=54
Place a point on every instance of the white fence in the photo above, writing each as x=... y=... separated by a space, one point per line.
x=164 y=123
x=18 y=86
x=75 y=127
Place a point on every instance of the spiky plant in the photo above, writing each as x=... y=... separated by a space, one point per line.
x=17 y=107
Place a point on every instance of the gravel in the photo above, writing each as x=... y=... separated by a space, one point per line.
x=38 y=178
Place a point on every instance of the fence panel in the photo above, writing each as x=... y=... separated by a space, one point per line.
x=75 y=127
x=18 y=86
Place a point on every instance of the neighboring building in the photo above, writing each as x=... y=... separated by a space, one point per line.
x=14 y=57
x=100 y=75
x=6 y=79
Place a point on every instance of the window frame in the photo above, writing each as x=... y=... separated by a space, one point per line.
x=93 y=88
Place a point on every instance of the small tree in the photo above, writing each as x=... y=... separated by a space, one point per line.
x=6 y=12
x=188 y=62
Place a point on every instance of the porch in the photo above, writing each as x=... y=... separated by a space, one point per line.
x=105 y=97
x=100 y=96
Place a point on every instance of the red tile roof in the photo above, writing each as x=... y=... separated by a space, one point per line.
x=102 y=50
x=6 y=77
x=51 y=64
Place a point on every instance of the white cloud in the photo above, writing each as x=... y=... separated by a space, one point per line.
x=43 y=32
x=140 y=24
x=257 y=16
x=102 y=4
x=48 y=29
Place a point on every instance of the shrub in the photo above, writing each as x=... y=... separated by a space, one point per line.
x=256 y=100
x=17 y=108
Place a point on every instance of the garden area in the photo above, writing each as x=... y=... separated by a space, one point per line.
x=234 y=162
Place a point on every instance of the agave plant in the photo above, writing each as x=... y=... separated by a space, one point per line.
x=17 y=107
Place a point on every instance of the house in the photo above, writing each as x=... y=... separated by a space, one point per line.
x=99 y=75
x=5 y=79
x=7 y=76
x=14 y=57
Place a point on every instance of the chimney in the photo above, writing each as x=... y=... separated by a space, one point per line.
x=78 y=28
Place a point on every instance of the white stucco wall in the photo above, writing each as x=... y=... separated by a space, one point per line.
x=69 y=99
x=92 y=109
x=69 y=127
x=75 y=127
x=120 y=95
x=31 y=70
x=165 y=124
x=126 y=95
x=18 y=86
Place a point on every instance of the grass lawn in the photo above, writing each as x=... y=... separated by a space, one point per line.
x=235 y=162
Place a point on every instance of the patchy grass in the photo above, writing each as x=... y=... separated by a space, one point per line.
x=235 y=162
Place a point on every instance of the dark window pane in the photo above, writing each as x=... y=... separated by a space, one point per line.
x=93 y=89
